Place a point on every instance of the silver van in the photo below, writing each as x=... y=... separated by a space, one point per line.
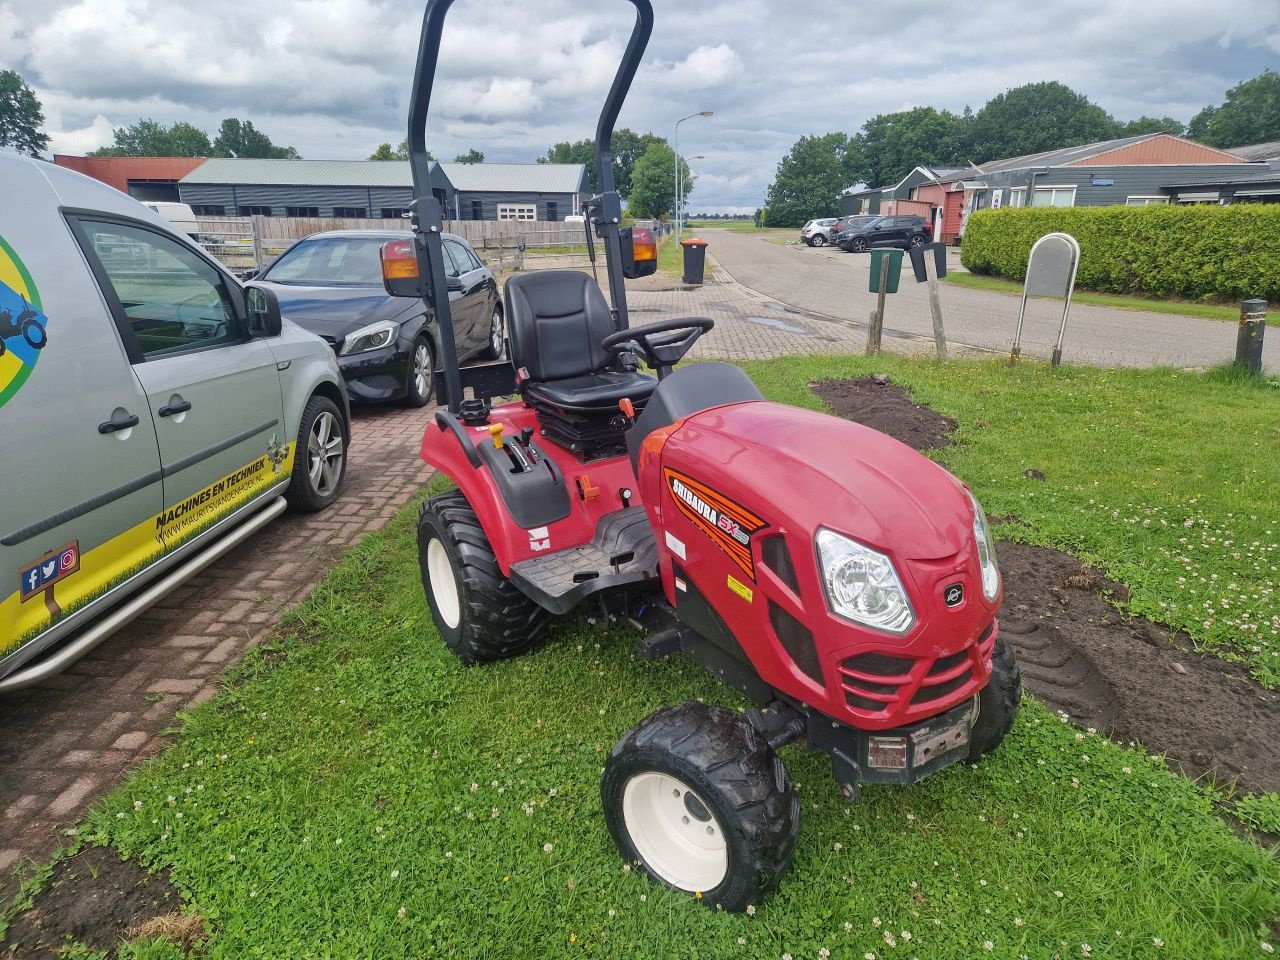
x=153 y=413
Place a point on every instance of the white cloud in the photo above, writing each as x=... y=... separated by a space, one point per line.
x=332 y=77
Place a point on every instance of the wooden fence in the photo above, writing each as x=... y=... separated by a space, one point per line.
x=250 y=243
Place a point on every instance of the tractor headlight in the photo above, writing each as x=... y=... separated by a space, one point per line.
x=862 y=584
x=375 y=335
x=986 y=551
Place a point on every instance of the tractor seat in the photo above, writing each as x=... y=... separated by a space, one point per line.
x=556 y=320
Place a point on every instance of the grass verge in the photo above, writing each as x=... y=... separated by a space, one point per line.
x=1182 y=308
x=355 y=792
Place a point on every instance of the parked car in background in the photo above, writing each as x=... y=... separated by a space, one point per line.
x=895 y=231
x=331 y=284
x=845 y=223
x=152 y=414
x=817 y=233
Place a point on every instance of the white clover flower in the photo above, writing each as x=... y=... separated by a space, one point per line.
x=741 y=941
x=848 y=927
x=751 y=909
x=395 y=874
x=401 y=912
x=988 y=945
x=547 y=847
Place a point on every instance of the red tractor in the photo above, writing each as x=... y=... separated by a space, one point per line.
x=841 y=581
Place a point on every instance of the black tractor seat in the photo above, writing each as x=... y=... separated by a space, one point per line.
x=556 y=320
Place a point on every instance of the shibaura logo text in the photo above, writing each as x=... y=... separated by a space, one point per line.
x=729 y=525
x=198 y=500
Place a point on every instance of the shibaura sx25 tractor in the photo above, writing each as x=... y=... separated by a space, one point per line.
x=841 y=581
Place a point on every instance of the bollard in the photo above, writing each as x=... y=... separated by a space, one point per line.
x=1253 y=321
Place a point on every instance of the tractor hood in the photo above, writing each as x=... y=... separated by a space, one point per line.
x=802 y=470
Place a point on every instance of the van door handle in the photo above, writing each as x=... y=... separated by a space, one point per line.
x=169 y=409
x=121 y=419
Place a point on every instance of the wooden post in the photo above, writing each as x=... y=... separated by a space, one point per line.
x=877 y=315
x=935 y=305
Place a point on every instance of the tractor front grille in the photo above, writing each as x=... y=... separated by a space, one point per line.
x=882 y=684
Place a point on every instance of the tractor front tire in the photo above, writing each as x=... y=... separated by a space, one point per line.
x=997 y=703
x=477 y=610
x=698 y=798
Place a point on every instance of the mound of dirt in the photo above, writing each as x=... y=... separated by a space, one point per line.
x=1081 y=655
x=95 y=900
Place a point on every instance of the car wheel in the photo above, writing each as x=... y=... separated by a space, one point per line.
x=917 y=240
x=858 y=245
x=422 y=373
x=494 y=348
x=479 y=612
x=700 y=800
x=320 y=459
x=819 y=240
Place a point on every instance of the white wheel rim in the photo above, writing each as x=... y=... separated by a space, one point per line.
x=324 y=454
x=495 y=332
x=421 y=362
x=444 y=589
x=675 y=832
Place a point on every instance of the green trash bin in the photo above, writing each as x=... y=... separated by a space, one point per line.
x=695 y=259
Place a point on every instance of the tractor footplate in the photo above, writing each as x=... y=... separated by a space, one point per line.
x=621 y=553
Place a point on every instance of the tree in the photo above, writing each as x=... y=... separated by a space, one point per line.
x=1035 y=118
x=1134 y=128
x=384 y=152
x=811 y=178
x=20 y=116
x=1250 y=114
x=580 y=151
x=894 y=144
x=148 y=138
x=471 y=156
x=653 y=186
x=238 y=138
x=628 y=147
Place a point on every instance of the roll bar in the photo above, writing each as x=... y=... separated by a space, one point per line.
x=428 y=215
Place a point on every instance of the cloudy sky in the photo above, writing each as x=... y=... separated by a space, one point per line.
x=331 y=77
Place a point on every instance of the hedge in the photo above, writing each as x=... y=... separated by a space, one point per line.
x=1192 y=252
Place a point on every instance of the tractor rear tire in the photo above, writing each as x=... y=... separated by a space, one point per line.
x=477 y=610
x=997 y=703
x=698 y=798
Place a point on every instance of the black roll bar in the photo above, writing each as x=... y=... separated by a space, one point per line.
x=428 y=214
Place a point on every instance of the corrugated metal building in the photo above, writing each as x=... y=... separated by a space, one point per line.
x=382 y=188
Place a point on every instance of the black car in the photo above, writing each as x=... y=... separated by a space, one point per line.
x=331 y=284
x=850 y=223
x=896 y=231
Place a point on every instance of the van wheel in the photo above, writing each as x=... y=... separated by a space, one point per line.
x=479 y=612
x=320 y=459
x=701 y=801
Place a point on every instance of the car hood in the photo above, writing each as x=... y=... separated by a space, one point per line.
x=336 y=311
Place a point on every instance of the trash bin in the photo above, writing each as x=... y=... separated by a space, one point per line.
x=695 y=259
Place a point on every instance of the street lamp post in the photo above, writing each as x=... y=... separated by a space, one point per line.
x=676 y=148
x=680 y=184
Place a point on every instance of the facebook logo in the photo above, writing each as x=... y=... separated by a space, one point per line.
x=49 y=570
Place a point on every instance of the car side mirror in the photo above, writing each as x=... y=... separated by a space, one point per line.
x=263 y=309
x=454 y=284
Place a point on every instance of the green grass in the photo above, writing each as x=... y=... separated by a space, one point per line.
x=737 y=226
x=1184 y=308
x=355 y=792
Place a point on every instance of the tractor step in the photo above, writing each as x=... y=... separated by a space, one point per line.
x=622 y=553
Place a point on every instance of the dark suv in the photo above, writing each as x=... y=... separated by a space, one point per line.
x=896 y=231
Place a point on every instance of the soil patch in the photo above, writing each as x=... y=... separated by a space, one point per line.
x=93 y=899
x=1129 y=677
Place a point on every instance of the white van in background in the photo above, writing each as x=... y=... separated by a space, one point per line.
x=180 y=216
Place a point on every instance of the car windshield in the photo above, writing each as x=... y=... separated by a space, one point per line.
x=331 y=262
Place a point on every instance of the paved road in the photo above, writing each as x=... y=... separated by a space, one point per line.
x=830 y=282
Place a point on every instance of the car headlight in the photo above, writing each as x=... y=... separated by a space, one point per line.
x=862 y=584
x=375 y=335
x=986 y=551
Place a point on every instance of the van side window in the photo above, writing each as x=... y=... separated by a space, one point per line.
x=174 y=302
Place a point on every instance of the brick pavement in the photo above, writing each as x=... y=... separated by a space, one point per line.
x=73 y=737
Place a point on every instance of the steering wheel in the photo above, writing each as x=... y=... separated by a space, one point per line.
x=660 y=344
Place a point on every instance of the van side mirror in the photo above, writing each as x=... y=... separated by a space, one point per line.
x=400 y=269
x=639 y=252
x=263 y=309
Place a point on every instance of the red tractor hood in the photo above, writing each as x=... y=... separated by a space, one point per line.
x=804 y=470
